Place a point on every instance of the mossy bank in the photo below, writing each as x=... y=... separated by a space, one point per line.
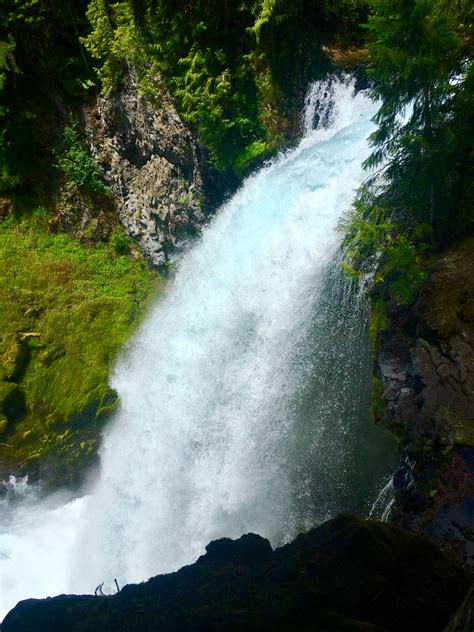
x=66 y=310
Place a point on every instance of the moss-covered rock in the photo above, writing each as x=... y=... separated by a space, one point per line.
x=14 y=357
x=67 y=309
x=3 y=424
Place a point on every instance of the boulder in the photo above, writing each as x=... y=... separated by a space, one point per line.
x=347 y=575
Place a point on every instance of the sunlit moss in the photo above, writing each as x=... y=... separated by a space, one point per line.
x=66 y=311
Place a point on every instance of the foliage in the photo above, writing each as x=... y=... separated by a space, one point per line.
x=70 y=308
x=419 y=193
x=119 y=240
x=249 y=155
x=75 y=161
x=40 y=57
x=385 y=253
x=7 y=59
x=7 y=64
x=421 y=64
x=224 y=62
x=112 y=40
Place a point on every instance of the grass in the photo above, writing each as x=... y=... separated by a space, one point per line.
x=66 y=310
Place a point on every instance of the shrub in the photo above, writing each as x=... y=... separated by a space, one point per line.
x=75 y=161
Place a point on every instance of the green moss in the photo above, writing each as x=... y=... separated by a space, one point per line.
x=66 y=311
x=13 y=358
x=377 y=407
x=378 y=318
x=462 y=429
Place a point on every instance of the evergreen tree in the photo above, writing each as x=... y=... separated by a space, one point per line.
x=421 y=65
x=421 y=194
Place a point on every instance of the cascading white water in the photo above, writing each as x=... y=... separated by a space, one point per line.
x=241 y=395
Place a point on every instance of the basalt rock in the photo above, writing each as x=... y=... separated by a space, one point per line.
x=426 y=365
x=347 y=575
x=152 y=165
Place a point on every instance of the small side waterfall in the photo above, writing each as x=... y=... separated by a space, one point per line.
x=244 y=395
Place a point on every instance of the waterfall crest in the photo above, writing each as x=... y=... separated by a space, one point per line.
x=243 y=395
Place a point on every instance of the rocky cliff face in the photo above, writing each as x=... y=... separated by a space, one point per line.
x=347 y=575
x=152 y=165
x=426 y=365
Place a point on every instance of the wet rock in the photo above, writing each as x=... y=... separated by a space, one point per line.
x=249 y=549
x=426 y=366
x=346 y=575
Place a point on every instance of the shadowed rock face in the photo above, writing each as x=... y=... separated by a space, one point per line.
x=346 y=575
x=463 y=619
x=426 y=363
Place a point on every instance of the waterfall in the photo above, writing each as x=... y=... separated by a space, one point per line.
x=244 y=394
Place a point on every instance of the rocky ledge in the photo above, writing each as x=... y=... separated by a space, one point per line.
x=347 y=575
x=425 y=365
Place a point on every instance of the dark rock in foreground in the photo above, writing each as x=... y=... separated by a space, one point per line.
x=463 y=619
x=346 y=575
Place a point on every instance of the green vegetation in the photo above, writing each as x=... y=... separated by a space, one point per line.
x=41 y=59
x=66 y=312
x=419 y=194
x=421 y=63
x=76 y=163
x=392 y=254
x=235 y=71
x=233 y=68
